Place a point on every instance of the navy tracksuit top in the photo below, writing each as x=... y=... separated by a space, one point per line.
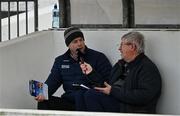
x=66 y=71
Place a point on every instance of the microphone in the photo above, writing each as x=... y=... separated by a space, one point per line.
x=80 y=56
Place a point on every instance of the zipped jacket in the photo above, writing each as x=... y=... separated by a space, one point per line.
x=139 y=90
x=66 y=72
x=136 y=85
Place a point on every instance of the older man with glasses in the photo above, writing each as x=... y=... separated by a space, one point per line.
x=135 y=81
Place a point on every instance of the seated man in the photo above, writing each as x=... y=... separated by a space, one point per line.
x=66 y=71
x=135 y=82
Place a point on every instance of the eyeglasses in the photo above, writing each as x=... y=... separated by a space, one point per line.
x=122 y=44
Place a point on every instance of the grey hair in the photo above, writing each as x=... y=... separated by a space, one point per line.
x=135 y=38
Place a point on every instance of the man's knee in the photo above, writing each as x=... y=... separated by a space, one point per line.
x=56 y=103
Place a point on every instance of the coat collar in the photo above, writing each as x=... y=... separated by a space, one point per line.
x=136 y=61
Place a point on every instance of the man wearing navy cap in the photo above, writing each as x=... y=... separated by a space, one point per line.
x=66 y=71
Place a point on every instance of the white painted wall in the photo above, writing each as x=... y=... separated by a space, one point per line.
x=31 y=57
x=22 y=59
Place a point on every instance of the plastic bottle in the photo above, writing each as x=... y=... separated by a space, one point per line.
x=55 y=17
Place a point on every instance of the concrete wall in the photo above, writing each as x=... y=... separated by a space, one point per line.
x=22 y=59
x=31 y=57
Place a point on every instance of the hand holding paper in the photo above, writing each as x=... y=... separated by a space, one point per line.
x=105 y=90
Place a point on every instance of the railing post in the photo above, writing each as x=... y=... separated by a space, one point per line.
x=17 y=18
x=65 y=13
x=26 y=4
x=68 y=13
x=131 y=14
x=0 y=23
x=128 y=13
x=35 y=15
x=9 y=21
x=61 y=13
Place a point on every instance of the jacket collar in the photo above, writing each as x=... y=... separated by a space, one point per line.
x=136 y=61
x=67 y=53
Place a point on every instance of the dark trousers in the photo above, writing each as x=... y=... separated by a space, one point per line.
x=99 y=102
x=56 y=103
x=80 y=101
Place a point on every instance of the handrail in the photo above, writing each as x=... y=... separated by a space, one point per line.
x=17 y=12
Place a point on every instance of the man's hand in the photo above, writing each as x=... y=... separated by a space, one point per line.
x=105 y=90
x=40 y=98
x=86 y=68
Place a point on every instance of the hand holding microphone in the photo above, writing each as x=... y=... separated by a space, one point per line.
x=86 y=68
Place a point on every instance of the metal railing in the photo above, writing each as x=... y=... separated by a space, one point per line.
x=65 y=17
x=17 y=13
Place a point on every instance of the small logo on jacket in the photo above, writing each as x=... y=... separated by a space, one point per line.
x=65 y=66
x=65 y=60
